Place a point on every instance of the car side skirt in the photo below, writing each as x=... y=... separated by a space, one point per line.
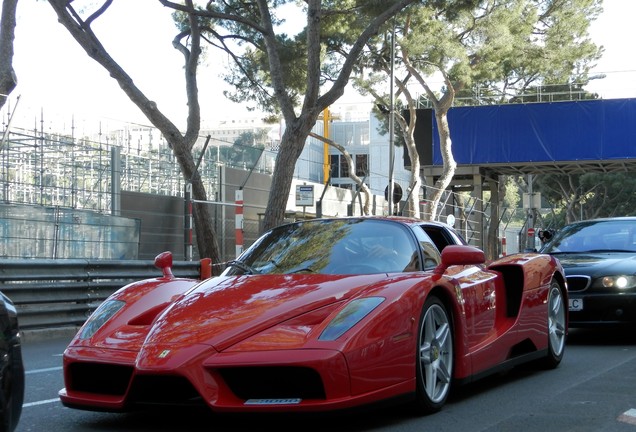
x=507 y=365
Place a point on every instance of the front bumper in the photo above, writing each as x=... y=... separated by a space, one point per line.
x=603 y=309
x=265 y=381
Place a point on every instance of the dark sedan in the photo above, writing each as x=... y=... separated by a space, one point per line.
x=11 y=367
x=599 y=259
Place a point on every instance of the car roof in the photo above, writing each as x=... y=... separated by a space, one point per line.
x=606 y=219
x=403 y=219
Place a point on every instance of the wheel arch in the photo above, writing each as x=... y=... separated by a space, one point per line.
x=559 y=277
x=448 y=297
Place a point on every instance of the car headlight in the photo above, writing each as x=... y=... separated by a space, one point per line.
x=618 y=282
x=349 y=316
x=103 y=313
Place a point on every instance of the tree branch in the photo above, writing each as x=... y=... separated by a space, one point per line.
x=352 y=172
x=98 y=12
x=337 y=89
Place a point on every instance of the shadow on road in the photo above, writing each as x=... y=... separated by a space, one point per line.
x=603 y=336
x=195 y=420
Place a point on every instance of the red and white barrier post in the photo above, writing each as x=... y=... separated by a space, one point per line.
x=188 y=222
x=238 y=221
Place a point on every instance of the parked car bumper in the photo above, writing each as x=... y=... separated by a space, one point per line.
x=602 y=309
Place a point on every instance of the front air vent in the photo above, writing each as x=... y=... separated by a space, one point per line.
x=99 y=378
x=578 y=283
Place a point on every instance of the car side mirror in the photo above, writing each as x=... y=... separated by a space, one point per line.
x=163 y=261
x=460 y=255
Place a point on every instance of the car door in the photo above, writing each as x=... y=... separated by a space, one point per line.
x=479 y=300
x=477 y=286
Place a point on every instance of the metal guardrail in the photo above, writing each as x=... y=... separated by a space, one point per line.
x=63 y=293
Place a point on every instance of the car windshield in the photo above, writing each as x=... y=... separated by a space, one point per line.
x=594 y=236
x=333 y=246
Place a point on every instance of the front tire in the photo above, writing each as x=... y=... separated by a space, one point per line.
x=434 y=367
x=557 y=326
x=12 y=391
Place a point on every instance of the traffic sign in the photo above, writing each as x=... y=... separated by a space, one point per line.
x=304 y=195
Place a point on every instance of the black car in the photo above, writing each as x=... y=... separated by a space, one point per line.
x=599 y=259
x=11 y=367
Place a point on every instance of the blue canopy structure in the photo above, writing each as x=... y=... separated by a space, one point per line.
x=566 y=137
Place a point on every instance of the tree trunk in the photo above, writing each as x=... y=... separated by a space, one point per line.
x=408 y=129
x=8 y=80
x=448 y=160
x=291 y=146
x=202 y=213
x=415 y=180
x=492 y=241
x=181 y=144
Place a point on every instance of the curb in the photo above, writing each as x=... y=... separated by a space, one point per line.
x=39 y=335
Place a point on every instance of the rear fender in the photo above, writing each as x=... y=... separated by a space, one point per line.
x=525 y=272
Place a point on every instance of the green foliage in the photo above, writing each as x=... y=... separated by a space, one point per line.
x=510 y=51
x=235 y=27
x=554 y=93
x=494 y=51
x=251 y=81
x=247 y=149
x=512 y=195
x=589 y=195
x=238 y=29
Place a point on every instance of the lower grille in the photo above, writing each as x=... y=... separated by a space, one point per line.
x=163 y=390
x=274 y=382
x=100 y=378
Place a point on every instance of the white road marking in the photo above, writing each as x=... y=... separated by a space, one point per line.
x=47 y=401
x=42 y=402
x=52 y=369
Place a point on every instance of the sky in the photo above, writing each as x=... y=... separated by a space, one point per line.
x=59 y=84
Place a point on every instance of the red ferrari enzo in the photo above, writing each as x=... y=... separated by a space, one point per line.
x=321 y=315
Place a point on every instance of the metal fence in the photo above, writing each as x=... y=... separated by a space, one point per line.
x=52 y=169
x=52 y=181
x=30 y=231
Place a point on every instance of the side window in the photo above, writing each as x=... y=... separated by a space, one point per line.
x=437 y=235
x=432 y=256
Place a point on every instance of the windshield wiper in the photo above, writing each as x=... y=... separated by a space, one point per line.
x=240 y=264
x=303 y=269
x=590 y=251
x=608 y=250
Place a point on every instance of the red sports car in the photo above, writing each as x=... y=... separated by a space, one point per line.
x=321 y=315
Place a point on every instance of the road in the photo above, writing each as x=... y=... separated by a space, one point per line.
x=592 y=390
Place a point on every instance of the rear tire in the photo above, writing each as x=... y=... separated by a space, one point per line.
x=557 y=326
x=434 y=357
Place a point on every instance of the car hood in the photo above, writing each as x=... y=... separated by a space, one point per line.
x=226 y=310
x=598 y=263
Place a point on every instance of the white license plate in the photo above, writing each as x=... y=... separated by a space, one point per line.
x=576 y=304
x=285 y=401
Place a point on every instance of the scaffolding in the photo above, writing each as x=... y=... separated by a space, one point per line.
x=53 y=169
